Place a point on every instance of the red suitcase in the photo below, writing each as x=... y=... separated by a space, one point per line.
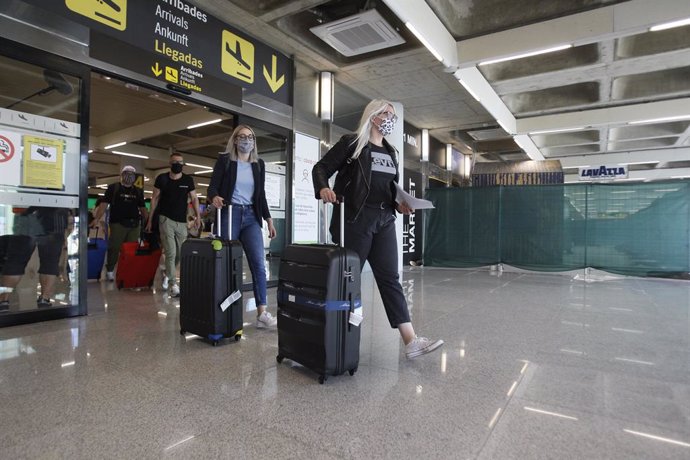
x=136 y=266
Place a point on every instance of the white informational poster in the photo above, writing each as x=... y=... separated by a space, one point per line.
x=10 y=157
x=305 y=207
x=273 y=190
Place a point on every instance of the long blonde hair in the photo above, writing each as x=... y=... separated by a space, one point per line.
x=231 y=148
x=372 y=109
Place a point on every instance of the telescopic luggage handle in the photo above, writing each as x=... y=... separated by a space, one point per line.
x=341 y=200
x=219 y=229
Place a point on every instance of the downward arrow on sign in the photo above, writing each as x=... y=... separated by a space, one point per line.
x=273 y=82
x=156 y=70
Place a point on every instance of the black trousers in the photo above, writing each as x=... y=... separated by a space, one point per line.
x=373 y=238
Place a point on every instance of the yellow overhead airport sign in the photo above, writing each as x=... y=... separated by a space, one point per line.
x=237 y=57
x=179 y=44
x=112 y=13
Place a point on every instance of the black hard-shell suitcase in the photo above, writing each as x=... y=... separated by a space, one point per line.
x=318 y=288
x=210 y=273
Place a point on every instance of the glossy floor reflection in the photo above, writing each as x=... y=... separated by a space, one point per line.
x=534 y=366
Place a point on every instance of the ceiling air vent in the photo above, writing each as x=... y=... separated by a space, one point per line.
x=359 y=34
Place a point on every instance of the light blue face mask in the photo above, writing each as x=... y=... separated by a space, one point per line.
x=245 y=146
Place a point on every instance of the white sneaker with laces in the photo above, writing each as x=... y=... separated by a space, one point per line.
x=421 y=346
x=266 y=320
x=164 y=285
x=110 y=276
x=175 y=291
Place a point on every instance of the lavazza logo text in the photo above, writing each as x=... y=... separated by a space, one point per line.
x=603 y=172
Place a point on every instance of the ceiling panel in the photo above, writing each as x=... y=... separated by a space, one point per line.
x=626 y=69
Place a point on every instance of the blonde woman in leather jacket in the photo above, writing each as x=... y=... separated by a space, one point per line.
x=367 y=170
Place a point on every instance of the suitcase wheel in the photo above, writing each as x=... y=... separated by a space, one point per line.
x=322 y=378
x=215 y=343
x=182 y=331
x=238 y=337
x=352 y=371
x=280 y=358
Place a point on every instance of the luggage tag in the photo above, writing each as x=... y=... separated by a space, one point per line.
x=356 y=317
x=230 y=300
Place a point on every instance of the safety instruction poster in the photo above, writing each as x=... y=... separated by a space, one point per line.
x=42 y=164
x=305 y=207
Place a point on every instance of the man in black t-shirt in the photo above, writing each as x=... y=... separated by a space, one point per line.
x=127 y=208
x=171 y=193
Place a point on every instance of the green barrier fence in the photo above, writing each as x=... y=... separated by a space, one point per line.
x=633 y=229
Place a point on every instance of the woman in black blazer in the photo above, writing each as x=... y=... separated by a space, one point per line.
x=239 y=177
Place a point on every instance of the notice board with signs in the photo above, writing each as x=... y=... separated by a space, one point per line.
x=39 y=152
x=180 y=44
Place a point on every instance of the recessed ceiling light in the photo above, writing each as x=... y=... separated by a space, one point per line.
x=670 y=25
x=112 y=146
x=529 y=54
x=217 y=120
x=130 y=154
x=660 y=120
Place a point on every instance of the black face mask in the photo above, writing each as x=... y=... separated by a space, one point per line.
x=176 y=168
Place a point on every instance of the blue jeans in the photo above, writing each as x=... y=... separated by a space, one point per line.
x=247 y=229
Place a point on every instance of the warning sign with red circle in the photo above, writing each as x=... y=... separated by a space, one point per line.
x=10 y=158
x=6 y=149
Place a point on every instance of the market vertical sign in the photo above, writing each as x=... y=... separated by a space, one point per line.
x=181 y=45
x=413 y=224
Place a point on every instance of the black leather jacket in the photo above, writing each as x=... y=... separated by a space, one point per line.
x=354 y=175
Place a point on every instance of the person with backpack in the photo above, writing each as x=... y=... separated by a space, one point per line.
x=172 y=192
x=367 y=178
x=127 y=209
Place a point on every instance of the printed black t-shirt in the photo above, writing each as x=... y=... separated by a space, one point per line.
x=124 y=204
x=382 y=173
x=172 y=201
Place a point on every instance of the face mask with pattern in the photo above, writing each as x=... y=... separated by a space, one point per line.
x=245 y=146
x=386 y=126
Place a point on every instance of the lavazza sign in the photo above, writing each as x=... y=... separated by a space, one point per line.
x=604 y=172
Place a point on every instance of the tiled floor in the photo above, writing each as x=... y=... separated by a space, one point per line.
x=534 y=366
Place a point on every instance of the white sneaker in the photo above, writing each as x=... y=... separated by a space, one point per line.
x=421 y=346
x=175 y=291
x=266 y=320
x=110 y=276
x=165 y=283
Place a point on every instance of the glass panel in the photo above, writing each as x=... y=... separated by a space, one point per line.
x=39 y=187
x=272 y=149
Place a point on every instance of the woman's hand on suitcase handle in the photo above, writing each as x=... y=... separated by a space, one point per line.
x=328 y=195
x=218 y=202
